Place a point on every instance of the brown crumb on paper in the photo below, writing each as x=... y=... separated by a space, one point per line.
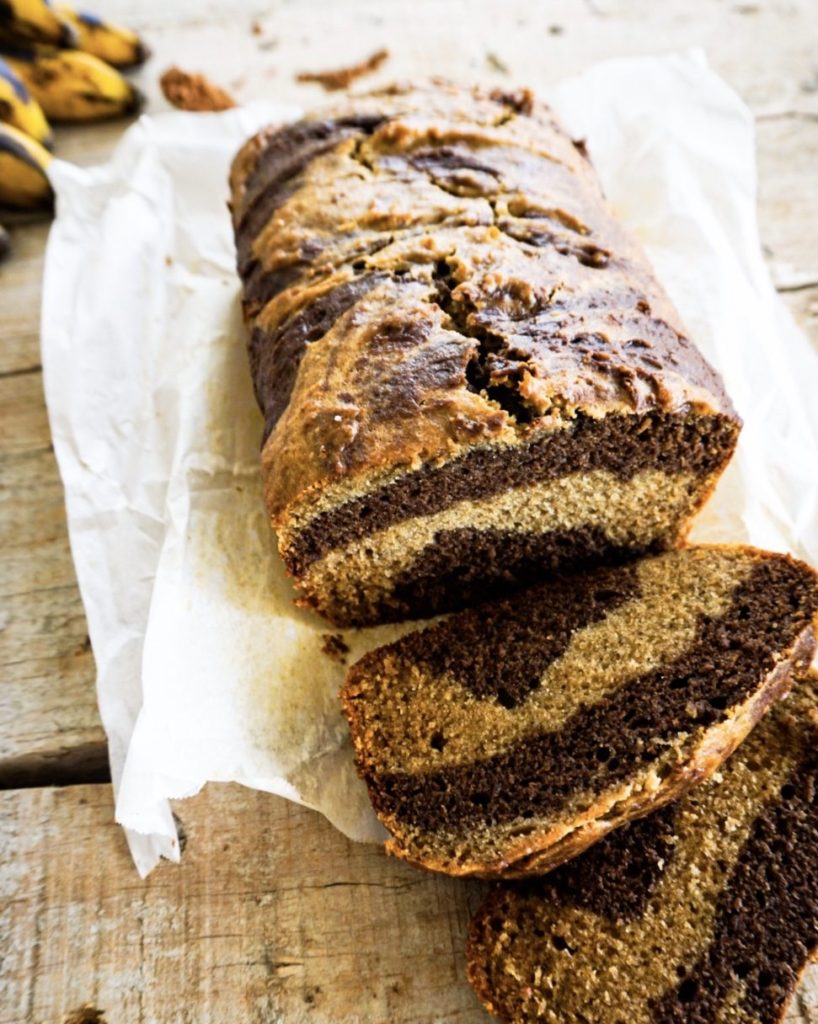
x=334 y=646
x=189 y=91
x=521 y=100
x=341 y=78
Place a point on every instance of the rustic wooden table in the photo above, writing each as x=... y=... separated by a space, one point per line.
x=272 y=915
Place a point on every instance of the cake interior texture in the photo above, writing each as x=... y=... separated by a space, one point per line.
x=489 y=522
x=509 y=737
x=704 y=912
x=468 y=371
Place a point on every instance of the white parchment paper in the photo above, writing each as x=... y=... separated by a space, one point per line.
x=206 y=671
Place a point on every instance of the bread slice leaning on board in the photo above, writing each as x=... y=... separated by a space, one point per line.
x=508 y=738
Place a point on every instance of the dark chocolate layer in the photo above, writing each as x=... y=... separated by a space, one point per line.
x=503 y=655
x=616 y=878
x=585 y=251
x=285 y=155
x=766 y=925
x=276 y=355
x=606 y=742
x=456 y=170
x=468 y=566
x=622 y=445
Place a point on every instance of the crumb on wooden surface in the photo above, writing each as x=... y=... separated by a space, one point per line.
x=340 y=78
x=191 y=91
x=334 y=646
x=86 y=1014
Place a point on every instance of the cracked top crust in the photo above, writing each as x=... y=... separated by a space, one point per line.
x=428 y=268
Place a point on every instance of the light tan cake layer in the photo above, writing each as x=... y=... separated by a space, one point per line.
x=630 y=512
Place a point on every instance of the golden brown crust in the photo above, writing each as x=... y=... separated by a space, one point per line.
x=472 y=217
x=476 y=962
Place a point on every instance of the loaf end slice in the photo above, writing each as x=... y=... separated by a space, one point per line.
x=468 y=371
x=508 y=738
x=705 y=912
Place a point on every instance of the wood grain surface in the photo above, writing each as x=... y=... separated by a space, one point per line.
x=272 y=915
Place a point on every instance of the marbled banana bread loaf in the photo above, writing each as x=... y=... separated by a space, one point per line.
x=509 y=737
x=703 y=913
x=468 y=371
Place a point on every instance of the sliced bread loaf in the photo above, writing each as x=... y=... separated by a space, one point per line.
x=705 y=912
x=508 y=738
x=468 y=371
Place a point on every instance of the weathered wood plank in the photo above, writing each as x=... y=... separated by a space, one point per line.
x=766 y=49
x=271 y=916
x=20 y=288
x=803 y=304
x=49 y=723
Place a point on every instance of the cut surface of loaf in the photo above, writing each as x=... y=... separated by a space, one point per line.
x=468 y=370
x=703 y=913
x=507 y=738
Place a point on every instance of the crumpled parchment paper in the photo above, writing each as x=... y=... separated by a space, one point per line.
x=206 y=670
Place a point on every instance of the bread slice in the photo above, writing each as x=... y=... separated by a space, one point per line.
x=706 y=911
x=468 y=371
x=509 y=737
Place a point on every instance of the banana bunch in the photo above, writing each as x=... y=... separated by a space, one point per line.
x=71 y=85
x=59 y=64
x=34 y=21
x=23 y=170
x=19 y=108
x=56 y=24
x=117 y=46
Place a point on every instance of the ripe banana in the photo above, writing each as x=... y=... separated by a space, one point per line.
x=74 y=86
x=19 y=108
x=117 y=46
x=23 y=163
x=34 y=21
